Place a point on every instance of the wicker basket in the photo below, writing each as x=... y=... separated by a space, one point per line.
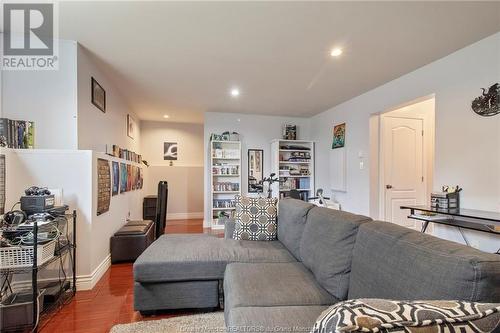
x=22 y=256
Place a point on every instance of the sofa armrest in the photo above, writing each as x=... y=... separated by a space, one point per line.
x=229 y=228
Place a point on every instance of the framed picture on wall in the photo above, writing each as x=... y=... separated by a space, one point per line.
x=131 y=127
x=170 y=151
x=123 y=177
x=98 y=95
x=338 y=136
x=116 y=178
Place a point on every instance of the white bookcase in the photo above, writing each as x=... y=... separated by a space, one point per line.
x=225 y=178
x=293 y=162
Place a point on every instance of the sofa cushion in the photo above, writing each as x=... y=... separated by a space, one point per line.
x=272 y=284
x=326 y=247
x=229 y=225
x=201 y=257
x=290 y=319
x=394 y=262
x=292 y=216
x=255 y=219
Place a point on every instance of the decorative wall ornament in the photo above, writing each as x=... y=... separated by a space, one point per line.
x=98 y=95
x=103 y=186
x=488 y=104
x=338 y=136
x=131 y=127
x=170 y=151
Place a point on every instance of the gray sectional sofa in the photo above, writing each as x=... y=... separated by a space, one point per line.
x=321 y=257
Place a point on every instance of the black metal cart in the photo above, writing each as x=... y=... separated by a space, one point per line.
x=64 y=246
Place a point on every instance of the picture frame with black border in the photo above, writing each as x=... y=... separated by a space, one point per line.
x=98 y=95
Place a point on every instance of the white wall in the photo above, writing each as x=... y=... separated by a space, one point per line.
x=256 y=132
x=467 y=146
x=60 y=104
x=46 y=97
x=123 y=206
x=75 y=172
x=185 y=177
x=188 y=136
x=58 y=169
x=185 y=189
x=95 y=128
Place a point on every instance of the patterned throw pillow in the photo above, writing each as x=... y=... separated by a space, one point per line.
x=255 y=219
x=378 y=315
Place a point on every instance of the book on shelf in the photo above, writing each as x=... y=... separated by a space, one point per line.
x=17 y=134
x=296 y=184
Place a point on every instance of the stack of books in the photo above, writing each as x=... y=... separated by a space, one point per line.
x=17 y=134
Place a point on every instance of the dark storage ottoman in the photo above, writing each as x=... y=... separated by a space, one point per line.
x=149 y=207
x=131 y=240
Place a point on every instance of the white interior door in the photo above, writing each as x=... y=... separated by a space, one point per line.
x=403 y=167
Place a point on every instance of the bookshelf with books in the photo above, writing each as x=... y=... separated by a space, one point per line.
x=17 y=134
x=293 y=162
x=225 y=179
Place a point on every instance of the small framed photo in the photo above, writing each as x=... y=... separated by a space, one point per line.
x=338 y=136
x=98 y=95
x=170 y=151
x=131 y=127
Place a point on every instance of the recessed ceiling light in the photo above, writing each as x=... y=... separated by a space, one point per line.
x=336 y=52
x=166 y=116
x=235 y=92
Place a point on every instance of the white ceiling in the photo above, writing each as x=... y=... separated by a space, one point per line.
x=181 y=58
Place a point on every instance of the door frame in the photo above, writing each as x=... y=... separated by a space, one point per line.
x=377 y=188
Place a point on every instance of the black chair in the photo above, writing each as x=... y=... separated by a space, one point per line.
x=161 y=208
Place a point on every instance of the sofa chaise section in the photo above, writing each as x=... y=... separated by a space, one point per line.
x=201 y=257
x=321 y=279
x=185 y=271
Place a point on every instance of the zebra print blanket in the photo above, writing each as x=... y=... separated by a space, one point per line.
x=384 y=316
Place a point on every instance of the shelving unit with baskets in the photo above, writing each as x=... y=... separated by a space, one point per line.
x=225 y=179
x=30 y=260
x=293 y=162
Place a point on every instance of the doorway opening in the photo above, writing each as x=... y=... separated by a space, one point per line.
x=402 y=150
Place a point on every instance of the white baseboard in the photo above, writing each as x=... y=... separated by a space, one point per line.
x=83 y=282
x=185 y=216
x=87 y=282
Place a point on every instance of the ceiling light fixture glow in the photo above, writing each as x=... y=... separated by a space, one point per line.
x=166 y=116
x=235 y=92
x=336 y=52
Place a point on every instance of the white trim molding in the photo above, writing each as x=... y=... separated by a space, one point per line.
x=88 y=282
x=83 y=282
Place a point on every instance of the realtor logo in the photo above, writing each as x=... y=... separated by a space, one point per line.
x=28 y=38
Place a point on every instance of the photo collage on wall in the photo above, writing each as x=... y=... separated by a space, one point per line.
x=127 y=178
x=121 y=178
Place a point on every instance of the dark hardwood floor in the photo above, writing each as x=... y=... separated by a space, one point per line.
x=111 y=300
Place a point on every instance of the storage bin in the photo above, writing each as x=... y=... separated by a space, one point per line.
x=22 y=256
